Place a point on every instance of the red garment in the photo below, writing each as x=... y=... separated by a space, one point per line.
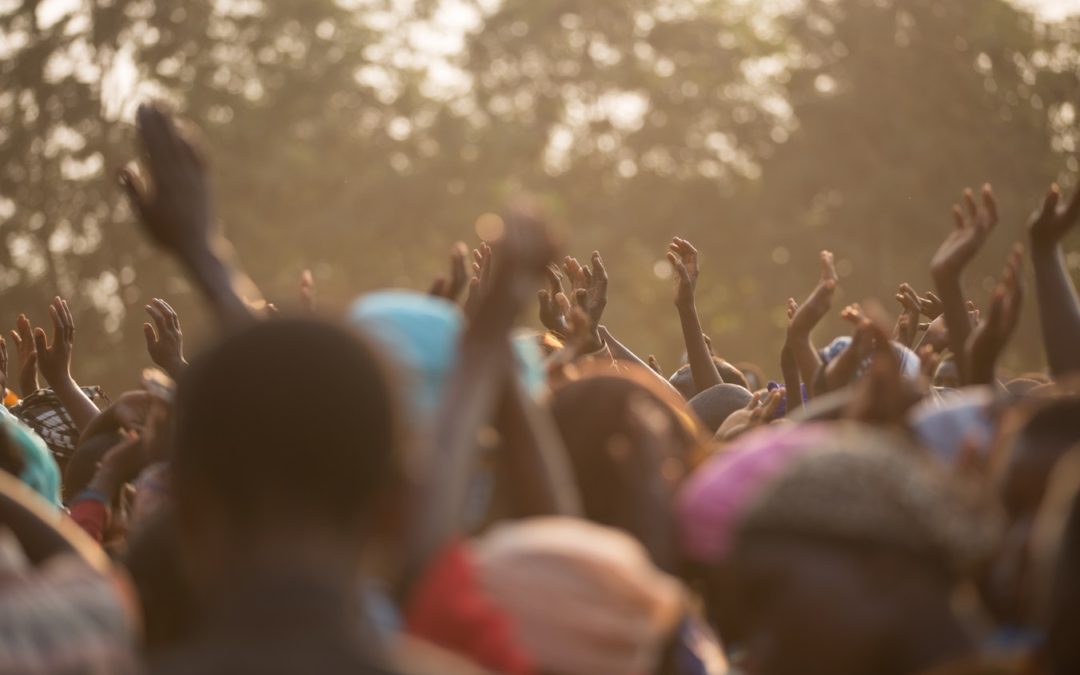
x=448 y=610
x=92 y=516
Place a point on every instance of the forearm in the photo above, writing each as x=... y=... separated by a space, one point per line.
x=76 y=402
x=806 y=357
x=228 y=290
x=700 y=359
x=957 y=323
x=1059 y=310
x=467 y=408
x=623 y=353
x=840 y=371
x=535 y=457
x=790 y=370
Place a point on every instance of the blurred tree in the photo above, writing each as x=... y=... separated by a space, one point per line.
x=848 y=124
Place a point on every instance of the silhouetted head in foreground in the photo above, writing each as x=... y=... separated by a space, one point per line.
x=268 y=478
x=847 y=562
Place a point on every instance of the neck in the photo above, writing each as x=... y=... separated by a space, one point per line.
x=937 y=636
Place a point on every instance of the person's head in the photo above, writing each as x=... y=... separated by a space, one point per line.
x=419 y=336
x=260 y=477
x=846 y=562
x=37 y=467
x=683 y=379
x=1045 y=435
x=583 y=599
x=713 y=405
x=629 y=444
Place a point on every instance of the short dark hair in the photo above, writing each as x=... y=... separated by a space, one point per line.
x=713 y=405
x=290 y=417
x=683 y=380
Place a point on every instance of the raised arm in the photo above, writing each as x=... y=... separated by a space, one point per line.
x=55 y=363
x=973 y=225
x=990 y=336
x=175 y=209
x=802 y=319
x=23 y=337
x=477 y=387
x=1059 y=309
x=684 y=260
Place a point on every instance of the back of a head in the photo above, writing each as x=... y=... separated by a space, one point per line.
x=713 y=405
x=287 y=419
x=594 y=418
x=683 y=379
x=868 y=488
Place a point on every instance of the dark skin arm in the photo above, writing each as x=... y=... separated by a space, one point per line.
x=534 y=458
x=622 y=353
x=474 y=394
x=990 y=336
x=1059 y=308
x=684 y=260
x=973 y=225
x=451 y=288
x=54 y=362
x=803 y=318
x=840 y=371
x=175 y=210
x=790 y=370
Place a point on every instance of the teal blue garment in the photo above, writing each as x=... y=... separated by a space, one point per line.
x=40 y=472
x=420 y=333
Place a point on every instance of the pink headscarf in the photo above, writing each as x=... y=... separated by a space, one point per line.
x=712 y=499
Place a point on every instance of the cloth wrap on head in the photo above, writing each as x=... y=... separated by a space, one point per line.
x=584 y=599
x=711 y=501
x=40 y=470
x=420 y=334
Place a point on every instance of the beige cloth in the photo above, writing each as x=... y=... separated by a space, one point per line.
x=585 y=599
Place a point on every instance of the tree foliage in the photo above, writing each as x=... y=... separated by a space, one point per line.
x=843 y=124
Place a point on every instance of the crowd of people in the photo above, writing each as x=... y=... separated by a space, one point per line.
x=423 y=486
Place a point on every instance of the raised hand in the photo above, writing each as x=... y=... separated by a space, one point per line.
x=54 y=360
x=164 y=339
x=1048 y=225
x=1059 y=307
x=755 y=414
x=805 y=317
x=931 y=305
x=882 y=396
x=306 y=288
x=973 y=225
x=907 y=324
x=480 y=282
x=509 y=270
x=684 y=260
x=26 y=355
x=552 y=315
x=989 y=337
x=175 y=207
x=452 y=287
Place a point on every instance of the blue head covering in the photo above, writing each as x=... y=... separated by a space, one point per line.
x=910 y=363
x=40 y=471
x=420 y=333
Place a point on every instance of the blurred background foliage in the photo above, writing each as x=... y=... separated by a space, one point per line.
x=362 y=138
